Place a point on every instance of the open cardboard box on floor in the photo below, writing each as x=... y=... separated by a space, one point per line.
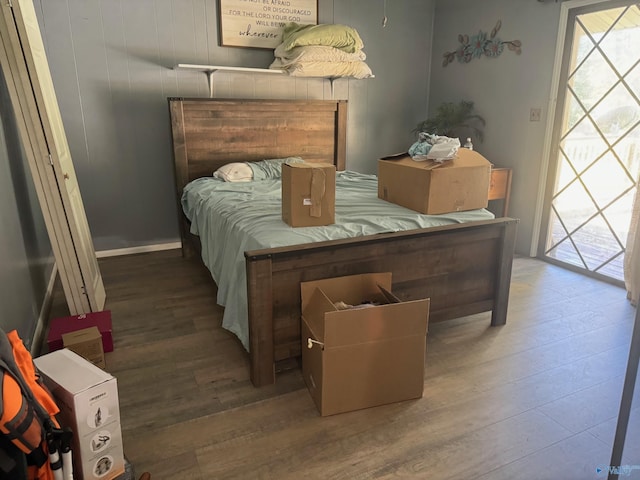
x=435 y=188
x=366 y=356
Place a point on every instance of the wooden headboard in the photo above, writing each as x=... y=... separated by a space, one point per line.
x=210 y=132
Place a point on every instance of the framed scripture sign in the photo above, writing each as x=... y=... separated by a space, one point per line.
x=259 y=23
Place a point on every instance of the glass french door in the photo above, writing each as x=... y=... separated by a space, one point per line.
x=596 y=140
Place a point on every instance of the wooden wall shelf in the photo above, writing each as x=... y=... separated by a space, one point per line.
x=209 y=70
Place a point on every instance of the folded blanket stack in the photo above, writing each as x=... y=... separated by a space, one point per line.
x=325 y=50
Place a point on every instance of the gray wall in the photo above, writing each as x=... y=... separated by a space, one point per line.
x=503 y=88
x=25 y=251
x=111 y=63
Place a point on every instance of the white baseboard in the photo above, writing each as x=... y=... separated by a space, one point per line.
x=45 y=309
x=144 y=249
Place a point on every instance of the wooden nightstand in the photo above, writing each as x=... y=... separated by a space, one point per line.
x=500 y=187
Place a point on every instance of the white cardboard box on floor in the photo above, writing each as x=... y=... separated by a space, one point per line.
x=88 y=400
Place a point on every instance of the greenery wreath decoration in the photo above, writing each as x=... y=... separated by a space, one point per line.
x=481 y=44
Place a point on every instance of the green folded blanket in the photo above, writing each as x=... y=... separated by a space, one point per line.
x=342 y=37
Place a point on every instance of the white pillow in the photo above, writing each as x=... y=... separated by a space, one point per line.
x=234 y=172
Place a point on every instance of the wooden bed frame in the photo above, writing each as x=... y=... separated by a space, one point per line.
x=464 y=268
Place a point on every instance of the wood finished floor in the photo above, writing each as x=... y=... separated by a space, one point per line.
x=535 y=399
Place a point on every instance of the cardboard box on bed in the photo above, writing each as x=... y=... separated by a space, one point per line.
x=428 y=187
x=366 y=356
x=308 y=194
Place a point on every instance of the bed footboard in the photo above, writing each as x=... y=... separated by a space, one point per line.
x=464 y=269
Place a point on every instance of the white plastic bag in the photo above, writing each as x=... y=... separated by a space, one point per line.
x=444 y=148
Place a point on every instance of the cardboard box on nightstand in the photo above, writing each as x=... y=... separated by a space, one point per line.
x=361 y=357
x=88 y=400
x=434 y=188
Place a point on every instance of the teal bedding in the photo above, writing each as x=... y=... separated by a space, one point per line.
x=232 y=218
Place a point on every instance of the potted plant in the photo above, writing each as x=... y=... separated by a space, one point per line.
x=454 y=120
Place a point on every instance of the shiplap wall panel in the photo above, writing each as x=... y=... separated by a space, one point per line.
x=91 y=126
x=112 y=66
x=148 y=112
x=119 y=120
x=24 y=248
x=203 y=27
x=180 y=28
x=283 y=89
x=119 y=114
x=164 y=53
x=312 y=89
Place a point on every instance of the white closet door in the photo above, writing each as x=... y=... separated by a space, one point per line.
x=27 y=75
